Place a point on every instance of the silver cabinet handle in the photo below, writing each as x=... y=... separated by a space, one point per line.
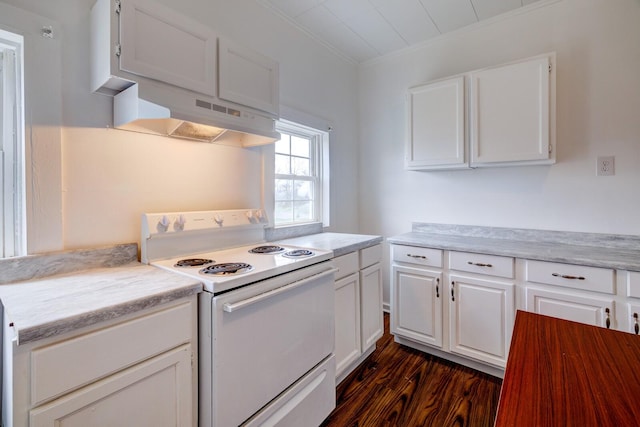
x=417 y=256
x=438 y=289
x=607 y=322
x=636 y=327
x=565 y=276
x=479 y=264
x=231 y=307
x=453 y=296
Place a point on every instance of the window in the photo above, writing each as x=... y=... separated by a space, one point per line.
x=300 y=178
x=12 y=221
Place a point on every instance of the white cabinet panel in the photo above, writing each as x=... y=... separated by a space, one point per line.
x=347 y=318
x=482 y=264
x=633 y=284
x=435 y=128
x=633 y=318
x=510 y=110
x=481 y=318
x=372 y=324
x=579 y=277
x=69 y=364
x=155 y=393
x=594 y=309
x=248 y=78
x=161 y=44
x=416 y=304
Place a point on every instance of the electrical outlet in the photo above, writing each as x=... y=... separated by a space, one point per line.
x=605 y=166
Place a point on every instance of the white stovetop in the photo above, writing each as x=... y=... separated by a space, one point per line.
x=264 y=266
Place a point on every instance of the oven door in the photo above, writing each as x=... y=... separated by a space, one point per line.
x=265 y=337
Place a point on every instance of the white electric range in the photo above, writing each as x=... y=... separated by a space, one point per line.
x=266 y=316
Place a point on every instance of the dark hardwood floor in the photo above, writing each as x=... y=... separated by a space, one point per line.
x=400 y=386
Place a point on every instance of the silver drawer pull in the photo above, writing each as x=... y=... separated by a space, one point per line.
x=479 y=264
x=417 y=256
x=564 y=276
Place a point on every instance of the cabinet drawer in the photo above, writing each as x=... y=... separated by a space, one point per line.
x=370 y=256
x=67 y=365
x=416 y=255
x=346 y=264
x=571 y=276
x=633 y=284
x=482 y=264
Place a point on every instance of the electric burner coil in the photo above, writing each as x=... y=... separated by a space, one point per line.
x=227 y=269
x=193 y=262
x=267 y=249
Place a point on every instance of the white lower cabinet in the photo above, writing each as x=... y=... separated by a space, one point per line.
x=358 y=308
x=456 y=305
x=462 y=306
x=347 y=300
x=571 y=292
x=416 y=311
x=140 y=370
x=154 y=393
x=570 y=305
x=481 y=317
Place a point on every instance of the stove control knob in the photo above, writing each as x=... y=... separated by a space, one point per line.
x=260 y=215
x=250 y=216
x=218 y=219
x=179 y=223
x=163 y=224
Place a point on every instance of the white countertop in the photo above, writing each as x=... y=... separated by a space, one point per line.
x=339 y=243
x=54 y=305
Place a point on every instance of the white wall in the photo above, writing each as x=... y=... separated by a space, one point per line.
x=598 y=113
x=110 y=177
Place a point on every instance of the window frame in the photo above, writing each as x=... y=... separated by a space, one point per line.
x=319 y=167
x=13 y=236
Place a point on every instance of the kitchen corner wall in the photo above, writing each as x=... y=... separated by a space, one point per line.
x=598 y=113
x=110 y=177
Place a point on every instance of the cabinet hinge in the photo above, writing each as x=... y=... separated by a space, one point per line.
x=549 y=67
x=550 y=148
x=118 y=6
x=118 y=49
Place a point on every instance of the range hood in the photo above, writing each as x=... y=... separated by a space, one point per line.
x=161 y=110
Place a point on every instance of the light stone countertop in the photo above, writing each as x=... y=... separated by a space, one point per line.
x=620 y=252
x=58 y=304
x=339 y=243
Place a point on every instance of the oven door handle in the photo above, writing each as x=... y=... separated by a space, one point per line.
x=231 y=307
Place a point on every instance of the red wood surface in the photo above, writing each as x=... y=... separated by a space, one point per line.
x=562 y=373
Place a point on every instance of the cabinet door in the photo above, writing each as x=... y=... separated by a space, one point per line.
x=248 y=78
x=481 y=318
x=416 y=304
x=347 y=315
x=510 y=109
x=154 y=393
x=569 y=305
x=633 y=318
x=435 y=128
x=371 y=323
x=161 y=44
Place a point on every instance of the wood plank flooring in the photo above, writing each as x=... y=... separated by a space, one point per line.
x=400 y=386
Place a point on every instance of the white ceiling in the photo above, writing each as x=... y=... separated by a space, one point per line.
x=364 y=29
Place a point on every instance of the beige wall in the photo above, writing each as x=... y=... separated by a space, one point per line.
x=107 y=178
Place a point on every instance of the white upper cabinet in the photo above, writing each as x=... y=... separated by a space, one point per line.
x=436 y=126
x=247 y=77
x=134 y=39
x=158 y=43
x=510 y=113
x=498 y=116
